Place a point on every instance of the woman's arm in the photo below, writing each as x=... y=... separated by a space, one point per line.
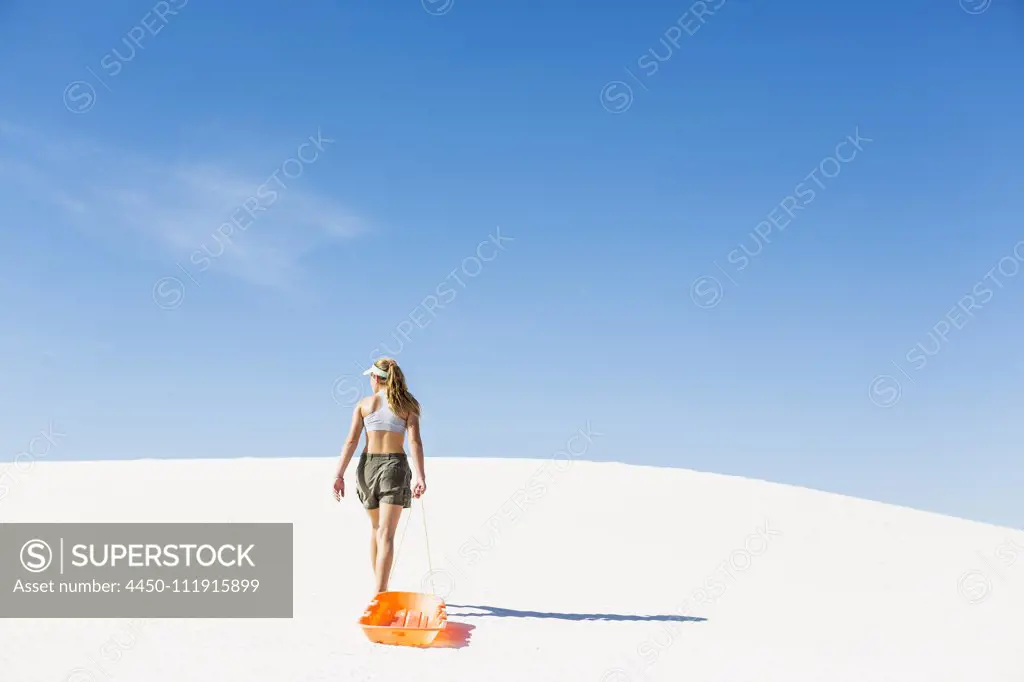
x=352 y=442
x=419 y=485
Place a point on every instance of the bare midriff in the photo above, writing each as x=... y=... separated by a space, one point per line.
x=384 y=442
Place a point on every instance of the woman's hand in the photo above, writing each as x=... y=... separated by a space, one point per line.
x=339 y=488
x=419 y=486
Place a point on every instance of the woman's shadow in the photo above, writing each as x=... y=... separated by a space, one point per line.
x=493 y=611
x=456 y=634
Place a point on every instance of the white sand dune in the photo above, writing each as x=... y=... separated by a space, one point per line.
x=555 y=570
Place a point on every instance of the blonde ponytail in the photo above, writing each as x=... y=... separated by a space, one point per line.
x=400 y=400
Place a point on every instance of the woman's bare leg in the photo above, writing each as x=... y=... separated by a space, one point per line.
x=374 y=521
x=389 y=516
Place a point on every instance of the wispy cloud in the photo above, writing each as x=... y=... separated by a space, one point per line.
x=182 y=209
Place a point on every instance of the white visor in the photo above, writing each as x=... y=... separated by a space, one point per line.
x=376 y=371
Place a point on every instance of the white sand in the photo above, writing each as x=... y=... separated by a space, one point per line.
x=833 y=589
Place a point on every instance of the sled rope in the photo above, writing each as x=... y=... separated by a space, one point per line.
x=426 y=535
x=398 y=552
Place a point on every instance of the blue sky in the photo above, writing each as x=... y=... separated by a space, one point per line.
x=373 y=159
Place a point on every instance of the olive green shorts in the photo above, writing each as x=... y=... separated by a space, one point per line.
x=384 y=478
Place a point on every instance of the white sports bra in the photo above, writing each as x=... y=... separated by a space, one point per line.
x=384 y=419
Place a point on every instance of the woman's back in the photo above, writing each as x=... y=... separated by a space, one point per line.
x=385 y=430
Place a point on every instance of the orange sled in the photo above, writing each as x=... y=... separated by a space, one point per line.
x=406 y=618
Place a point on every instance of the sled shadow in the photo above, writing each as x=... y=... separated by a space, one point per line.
x=454 y=636
x=493 y=611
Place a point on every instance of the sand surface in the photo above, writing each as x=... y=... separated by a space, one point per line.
x=553 y=570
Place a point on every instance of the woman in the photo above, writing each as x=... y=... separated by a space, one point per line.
x=383 y=475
